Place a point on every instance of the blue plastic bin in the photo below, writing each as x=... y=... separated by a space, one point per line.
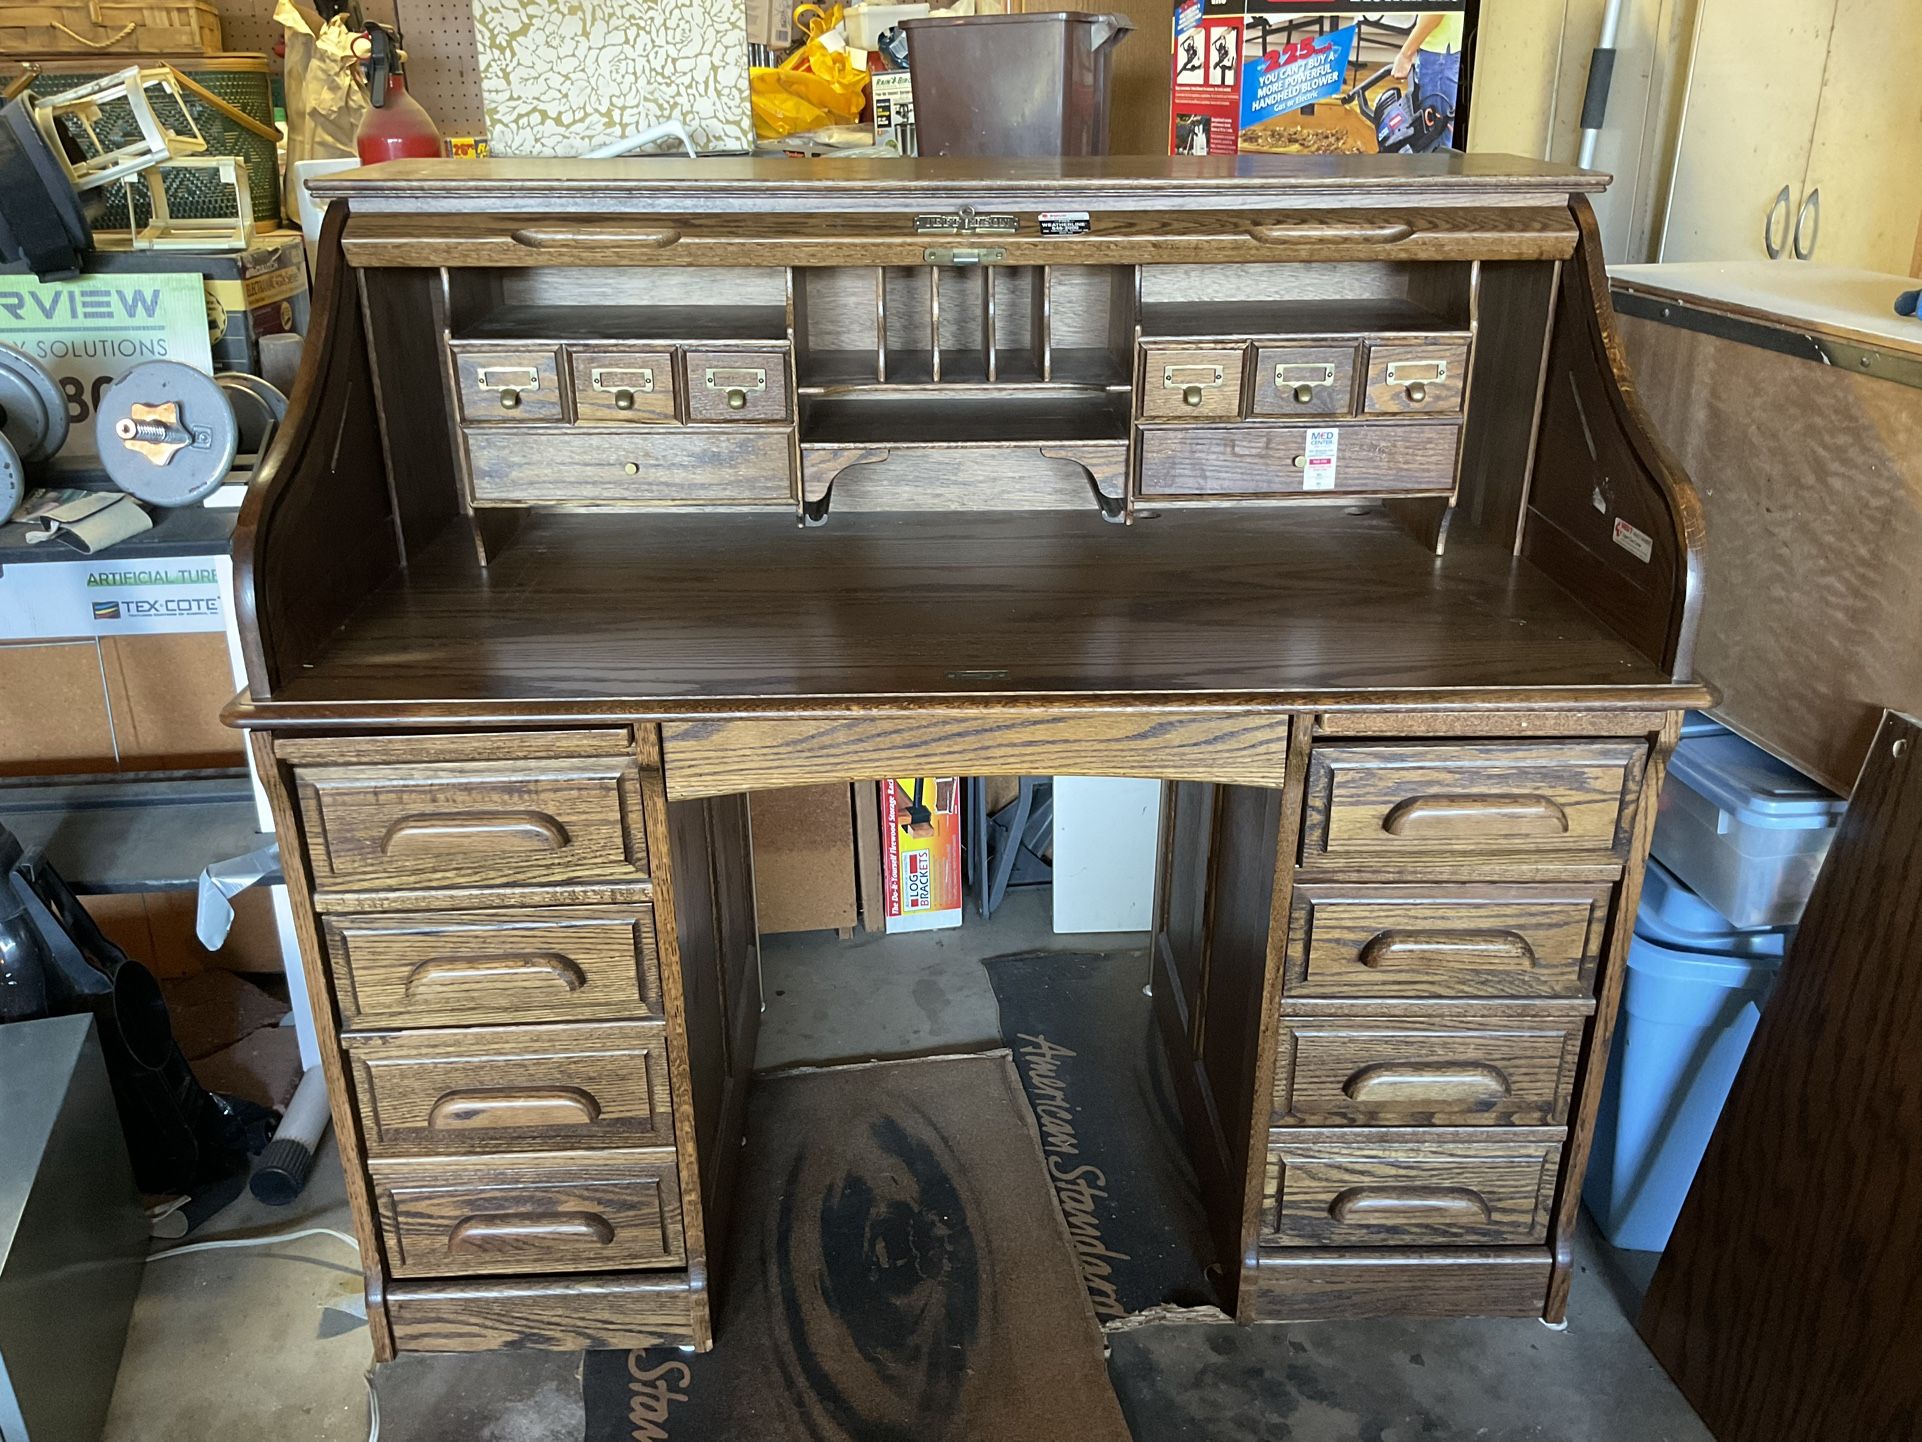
x=1694 y=992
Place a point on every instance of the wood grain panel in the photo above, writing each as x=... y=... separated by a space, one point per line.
x=404 y=313
x=1430 y=377
x=710 y=758
x=472 y=823
x=1182 y=383
x=1402 y=1193
x=1787 y=1302
x=1536 y=801
x=1467 y=1065
x=844 y=237
x=523 y=1215
x=619 y=385
x=475 y=968
x=1285 y=374
x=1389 y=941
x=1271 y=460
x=508 y=384
x=479 y=1090
x=613 y=466
x=355 y=750
x=1487 y=723
x=1293 y=1284
x=563 y=1314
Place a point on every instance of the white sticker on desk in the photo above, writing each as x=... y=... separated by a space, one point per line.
x=1638 y=544
x=1318 y=462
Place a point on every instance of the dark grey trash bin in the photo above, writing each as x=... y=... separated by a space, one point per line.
x=1013 y=84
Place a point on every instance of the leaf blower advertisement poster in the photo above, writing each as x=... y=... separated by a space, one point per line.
x=921 y=852
x=1309 y=77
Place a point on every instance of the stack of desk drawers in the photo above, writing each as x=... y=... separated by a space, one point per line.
x=486 y=910
x=1450 y=905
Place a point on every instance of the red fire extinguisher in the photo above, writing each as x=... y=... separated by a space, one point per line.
x=397 y=127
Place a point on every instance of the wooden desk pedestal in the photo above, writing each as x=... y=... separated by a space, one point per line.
x=613 y=492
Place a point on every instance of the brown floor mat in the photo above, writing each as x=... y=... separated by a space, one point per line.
x=897 y=1272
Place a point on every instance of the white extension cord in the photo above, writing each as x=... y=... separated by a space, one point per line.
x=268 y=1240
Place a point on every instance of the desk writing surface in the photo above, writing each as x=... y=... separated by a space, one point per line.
x=694 y=609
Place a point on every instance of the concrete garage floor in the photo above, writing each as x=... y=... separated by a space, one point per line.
x=254 y=1344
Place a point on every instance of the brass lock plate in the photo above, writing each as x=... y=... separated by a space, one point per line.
x=735 y=378
x=1400 y=373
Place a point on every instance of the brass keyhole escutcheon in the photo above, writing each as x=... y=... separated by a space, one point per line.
x=1417 y=392
x=510 y=400
x=623 y=400
x=737 y=400
x=1191 y=396
x=632 y=468
x=1304 y=394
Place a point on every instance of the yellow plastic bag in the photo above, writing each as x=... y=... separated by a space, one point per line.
x=818 y=85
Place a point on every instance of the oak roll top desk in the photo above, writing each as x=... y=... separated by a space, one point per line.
x=613 y=491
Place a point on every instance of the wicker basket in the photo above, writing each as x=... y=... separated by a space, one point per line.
x=109 y=27
x=244 y=81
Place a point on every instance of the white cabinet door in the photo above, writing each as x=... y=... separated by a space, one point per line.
x=1865 y=166
x=1754 y=90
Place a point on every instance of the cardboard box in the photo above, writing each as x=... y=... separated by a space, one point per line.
x=1317 y=77
x=921 y=852
x=804 y=859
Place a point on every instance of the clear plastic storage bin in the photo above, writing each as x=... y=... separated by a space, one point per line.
x=1745 y=832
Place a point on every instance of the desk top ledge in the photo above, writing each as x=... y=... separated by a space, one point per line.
x=795 y=185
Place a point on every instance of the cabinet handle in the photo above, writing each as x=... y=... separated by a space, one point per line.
x=543 y=237
x=1409 y=1206
x=1783 y=203
x=475 y=831
x=514 y=1229
x=1394 y=1084
x=1811 y=211
x=533 y=1107
x=542 y=968
x=1449 y=948
x=1493 y=815
x=1291 y=232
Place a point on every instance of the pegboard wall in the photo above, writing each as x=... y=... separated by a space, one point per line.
x=438 y=35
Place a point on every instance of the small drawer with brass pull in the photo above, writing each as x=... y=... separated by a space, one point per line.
x=1459 y=1064
x=508 y=385
x=1417 y=377
x=527 y=1215
x=1183 y=383
x=739 y=385
x=1314 y=380
x=479 y=1090
x=615 y=386
x=1368 y=1193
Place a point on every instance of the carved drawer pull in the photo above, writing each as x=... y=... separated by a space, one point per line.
x=543 y=968
x=1386 y=232
x=516 y=1229
x=546 y=1107
x=1516 y=814
x=1401 y=948
x=475 y=831
x=1391 y=1206
x=540 y=237
x=1397 y=1084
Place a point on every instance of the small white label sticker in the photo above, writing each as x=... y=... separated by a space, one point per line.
x=1638 y=544
x=1319 y=465
x=1598 y=500
x=1064 y=222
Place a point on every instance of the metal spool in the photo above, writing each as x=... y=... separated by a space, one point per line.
x=166 y=433
x=13 y=480
x=33 y=412
x=258 y=408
